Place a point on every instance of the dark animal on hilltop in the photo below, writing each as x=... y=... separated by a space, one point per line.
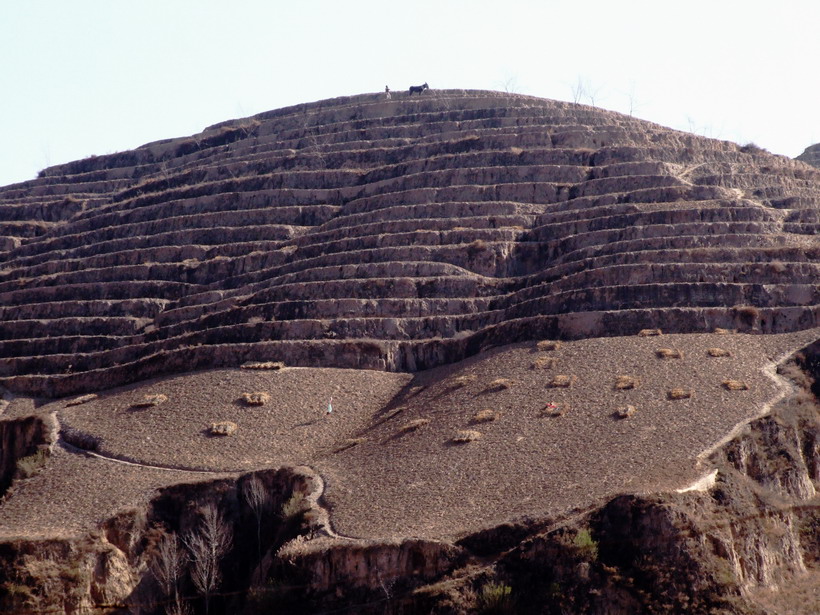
x=418 y=89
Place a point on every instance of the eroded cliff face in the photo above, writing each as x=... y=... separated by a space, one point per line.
x=28 y=437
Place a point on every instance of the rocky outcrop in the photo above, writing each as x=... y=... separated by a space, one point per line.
x=29 y=437
x=417 y=230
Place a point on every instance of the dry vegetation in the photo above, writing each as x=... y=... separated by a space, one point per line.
x=735 y=385
x=258 y=398
x=464 y=436
x=349 y=443
x=669 y=353
x=222 y=428
x=500 y=384
x=718 y=352
x=649 y=332
x=679 y=394
x=546 y=345
x=413 y=426
x=562 y=381
x=720 y=331
x=623 y=383
x=544 y=363
x=484 y=416
x=263 y=365
x=82 y=399
x=625 y=412
x=553 y=410
x=463 y=380
x=154 y=399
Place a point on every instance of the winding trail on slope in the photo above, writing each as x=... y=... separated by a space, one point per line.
x=312 y=498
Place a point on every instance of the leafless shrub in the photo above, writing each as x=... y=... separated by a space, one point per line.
x=484 y=416
x=625 y=412
x=562 y=381
x=649 y=332
x=257 y=398
x=464 y=436
x=735 y=385
x=263 y=365
x=413 y=426
x=669 y=353
x=82 y=399
x=223 y=428
x=625 y=382
x=679 y=394
x=546 y=345
x=544 y=363
x=152 y=400
x=718 y=352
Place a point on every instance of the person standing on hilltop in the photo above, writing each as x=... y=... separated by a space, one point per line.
x=387 y=92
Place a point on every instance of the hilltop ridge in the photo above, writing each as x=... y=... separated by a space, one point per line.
x=397 y=235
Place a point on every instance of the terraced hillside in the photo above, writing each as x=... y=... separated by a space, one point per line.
x=398 y=235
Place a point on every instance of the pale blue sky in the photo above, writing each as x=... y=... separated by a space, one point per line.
x=83 y=77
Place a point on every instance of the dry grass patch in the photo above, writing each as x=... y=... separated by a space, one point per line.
x=154 y=399
x=413 y=426
x=257 y=398
x=623 y=383
x=735 y=385
x=465 y=435
x=679 y=394
x=720 y=331
x=263 y=365
x=562 y=381
x=82 y=399
x=500 y=384
x=546 y=345
x=463 y=380
x=718 y=352
x=625 y=412
x=222 y=428
x=484 y=416
x=669 y=353
x=553 y=410
x=649 y=332
x=544 y=363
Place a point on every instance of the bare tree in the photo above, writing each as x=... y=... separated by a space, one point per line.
x=579 y=90
x=169 y=565
x=256 y=495
x=207 y=548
